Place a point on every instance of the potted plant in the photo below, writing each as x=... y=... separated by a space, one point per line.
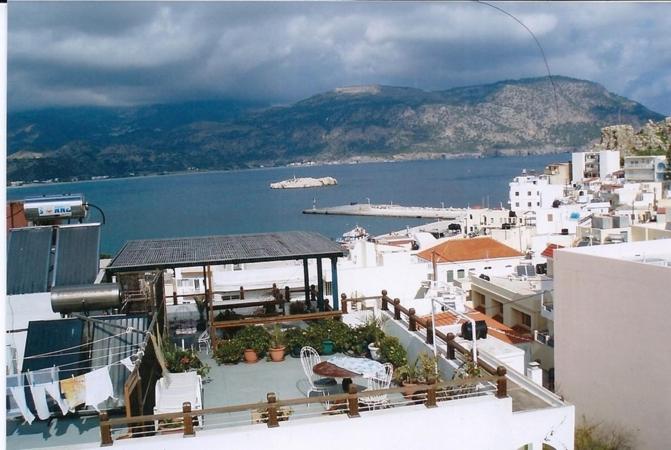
x=255 y=340
x=422 y=371
x=372 y=332
x=392 y=351
x=228 y=352
x=277 y=344
x=295 y=339
x=179 y=360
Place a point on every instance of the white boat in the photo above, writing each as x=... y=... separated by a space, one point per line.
x=355 y=234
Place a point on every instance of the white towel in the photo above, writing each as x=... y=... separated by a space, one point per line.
x=40 y=400
x=19 y=395
x=98 y=387
x=128 y=363
x=54 y=390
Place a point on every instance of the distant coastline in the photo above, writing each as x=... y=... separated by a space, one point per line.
x=401 y=157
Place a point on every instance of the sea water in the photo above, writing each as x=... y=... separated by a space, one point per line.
x=231 y=202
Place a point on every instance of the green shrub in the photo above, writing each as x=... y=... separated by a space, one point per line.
x=256 y=338
x=179 y=360
x=228 y=352
x=295 y=337
x=343 y=337
x=392 y=351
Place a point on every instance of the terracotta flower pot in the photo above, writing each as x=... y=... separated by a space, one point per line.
x=277 y=354
x=412 y=392
x=251 y=356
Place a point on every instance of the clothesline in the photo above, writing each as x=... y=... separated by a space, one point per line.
x=55 y=352
x=74 y=353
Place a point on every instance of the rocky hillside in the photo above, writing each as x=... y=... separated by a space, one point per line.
x=366 y=122
x=652 y=139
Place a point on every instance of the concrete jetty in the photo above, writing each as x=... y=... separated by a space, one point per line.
x=366 y=209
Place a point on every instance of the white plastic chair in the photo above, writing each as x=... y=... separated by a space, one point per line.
x=310 y=358
x=204 y=341
x=381 y=381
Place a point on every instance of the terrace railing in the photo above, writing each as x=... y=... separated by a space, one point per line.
x=274 y=410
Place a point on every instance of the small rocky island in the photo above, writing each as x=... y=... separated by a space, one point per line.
x=296 y=183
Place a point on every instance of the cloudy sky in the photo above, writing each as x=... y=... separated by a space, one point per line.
x=127 y=53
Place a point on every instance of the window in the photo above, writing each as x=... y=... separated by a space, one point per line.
x=196 y=284
x=488 y=268
x=450 y=275
x=529 y=193
x=517 y=204
x=550 y=217
x=517 y=193
x=328 y=288
x=538 y=203
x=460 y=273
x=521 y=319
x=529 y=204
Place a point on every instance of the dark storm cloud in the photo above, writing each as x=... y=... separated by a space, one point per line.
x=135 y=53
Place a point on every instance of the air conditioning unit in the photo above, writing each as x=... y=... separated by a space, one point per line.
x=480 y=330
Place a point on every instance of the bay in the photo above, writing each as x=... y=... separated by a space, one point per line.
x=231 y=202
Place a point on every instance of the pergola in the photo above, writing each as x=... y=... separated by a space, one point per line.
x=206 y=251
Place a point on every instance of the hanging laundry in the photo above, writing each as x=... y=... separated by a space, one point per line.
x=40 y=401
x=128 y=363
x=54 y=391
x=98 y=387
x=74 y=390
x=19 y=395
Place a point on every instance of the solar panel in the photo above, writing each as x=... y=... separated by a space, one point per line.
x=230 y=249
x=77 y=255
x=28 y=260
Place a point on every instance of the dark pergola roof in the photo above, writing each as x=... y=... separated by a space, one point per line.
x=218 y=250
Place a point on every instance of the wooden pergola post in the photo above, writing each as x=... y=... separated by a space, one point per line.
x=320 y=285
x=334 y=282
x=306 y=282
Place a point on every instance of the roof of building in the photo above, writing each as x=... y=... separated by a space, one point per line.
x=494 y=327
x=469 y=249
x=218 y=250
x=550 y=249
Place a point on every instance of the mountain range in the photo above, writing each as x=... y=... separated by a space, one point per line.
x=534 y=115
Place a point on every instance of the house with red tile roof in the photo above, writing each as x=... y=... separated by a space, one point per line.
x=455 y=259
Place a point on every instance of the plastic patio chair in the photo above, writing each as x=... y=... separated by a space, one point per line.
x=309 y=358
x=204 y=341
x=381 y=381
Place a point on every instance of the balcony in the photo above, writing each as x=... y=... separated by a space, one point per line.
x=266 y=401
x=544 y=337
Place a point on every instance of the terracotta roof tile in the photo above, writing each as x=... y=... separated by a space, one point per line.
x=494 y=327
x=550 y=250
x=469 y=250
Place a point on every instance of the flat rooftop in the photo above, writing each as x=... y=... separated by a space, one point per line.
x=219 y=250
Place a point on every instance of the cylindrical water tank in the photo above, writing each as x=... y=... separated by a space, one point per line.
x=55 y=207
x=91 y=297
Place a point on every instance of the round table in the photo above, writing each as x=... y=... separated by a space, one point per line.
x=330 y=370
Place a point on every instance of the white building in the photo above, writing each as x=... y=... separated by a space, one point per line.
x=611 y=309
x=644 y=168
x=594 y=164
x=532 y=193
